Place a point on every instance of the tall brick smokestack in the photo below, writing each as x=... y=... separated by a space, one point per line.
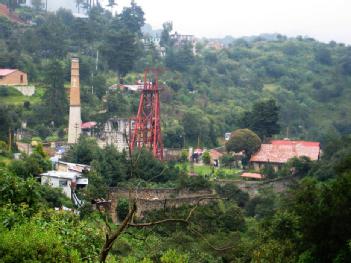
x=75 y=121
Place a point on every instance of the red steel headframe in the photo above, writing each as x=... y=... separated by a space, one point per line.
x=147 y=126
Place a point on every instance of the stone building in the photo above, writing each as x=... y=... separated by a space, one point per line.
x=115 y=132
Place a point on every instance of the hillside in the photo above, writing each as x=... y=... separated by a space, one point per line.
x=204 y=94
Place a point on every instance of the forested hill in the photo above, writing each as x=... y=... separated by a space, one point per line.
x=204 y=94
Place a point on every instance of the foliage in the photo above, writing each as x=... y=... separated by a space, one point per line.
x=84 y=152
x=148 y=168
x=172 y=256
x=122 y=208
x=17 y=192
x=9 y=121
x=121 y=50
x=31 y=165
x=50 y=236
x=262 y=119
x=227 y=160
x=243 y=140
x=193 y=183
x=233 y=193
x=206 y=158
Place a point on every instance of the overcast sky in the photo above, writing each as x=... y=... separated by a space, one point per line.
x=324 y=20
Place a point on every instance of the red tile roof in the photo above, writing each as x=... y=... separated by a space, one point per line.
x=252 y=175
x=280 y=151
x=88 y=125
x=4 y=11
x=6 y=71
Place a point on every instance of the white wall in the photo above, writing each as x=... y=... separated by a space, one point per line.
x=55 y=183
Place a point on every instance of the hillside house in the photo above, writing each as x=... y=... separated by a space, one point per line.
x=67 y=181
x=13 y=77
x=13 y=17
x=279 y=152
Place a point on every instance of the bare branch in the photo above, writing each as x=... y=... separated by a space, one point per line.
x=110 y=239
x=168 y=220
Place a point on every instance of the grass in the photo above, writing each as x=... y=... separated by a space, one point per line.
x=9 y=95
x=5 y=160
x=208 y=170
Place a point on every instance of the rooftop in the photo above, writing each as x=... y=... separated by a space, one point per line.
x=63 y=175
x=6 y=71
x=280 y=151
x=88 y=125
x=4 y=11
x=252 y=175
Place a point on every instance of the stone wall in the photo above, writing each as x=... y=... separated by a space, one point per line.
x=278 y=185
x=156 y=199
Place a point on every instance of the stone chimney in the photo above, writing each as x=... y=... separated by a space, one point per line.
x=75 y=121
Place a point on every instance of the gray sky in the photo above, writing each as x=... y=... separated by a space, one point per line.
x=324 y=20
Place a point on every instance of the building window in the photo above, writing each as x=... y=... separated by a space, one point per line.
x=21 y=78
x=63 y=183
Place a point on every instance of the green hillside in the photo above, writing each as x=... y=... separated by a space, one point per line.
x=204 y=95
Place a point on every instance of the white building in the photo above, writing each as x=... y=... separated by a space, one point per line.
x=67 y=181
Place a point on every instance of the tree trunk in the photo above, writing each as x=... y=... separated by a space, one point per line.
x=111 y=239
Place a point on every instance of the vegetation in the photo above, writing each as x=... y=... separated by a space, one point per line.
x=243 y=140
x=294 y=87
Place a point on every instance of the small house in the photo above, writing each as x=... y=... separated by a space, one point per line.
x=279 y=152
x=13 y=77
x=67 y=181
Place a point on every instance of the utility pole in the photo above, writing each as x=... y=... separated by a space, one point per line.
x=10 y=140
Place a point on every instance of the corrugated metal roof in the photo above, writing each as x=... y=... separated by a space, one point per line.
x=280 y=151
x=6 y=71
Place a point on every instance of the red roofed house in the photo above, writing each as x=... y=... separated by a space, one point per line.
x=4 y=11
x=13 y=77
x=278 y=152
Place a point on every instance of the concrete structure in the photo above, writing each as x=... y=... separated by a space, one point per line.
x=115 y=132
x=67 y=181
x=180 y=40
x=156 y=199
x=13 y=77
x=253 y=187
x=279 y=152
x=75 y=121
